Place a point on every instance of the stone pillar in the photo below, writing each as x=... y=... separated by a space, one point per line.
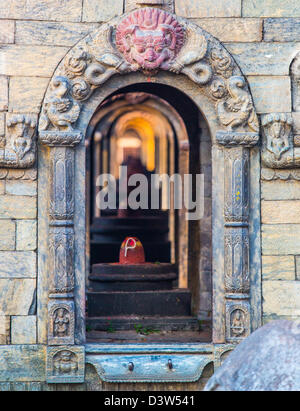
x=61 y=307
x=236 y=243
x=236 y=231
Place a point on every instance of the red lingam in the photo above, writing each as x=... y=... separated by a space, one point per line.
x=132 y=251
x=150 y=39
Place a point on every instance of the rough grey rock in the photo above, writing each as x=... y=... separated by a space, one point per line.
x=268 y=360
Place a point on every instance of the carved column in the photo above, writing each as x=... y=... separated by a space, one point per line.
x=61 y=307
x=236 y=243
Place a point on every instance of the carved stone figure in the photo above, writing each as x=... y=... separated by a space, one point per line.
x=65 y=362
x=150 y=39
x=237 y=320
x=277 y=128
x=18 y=148
x=237 y=110
x=60 y=108
x=61 y=322
x=237 y=323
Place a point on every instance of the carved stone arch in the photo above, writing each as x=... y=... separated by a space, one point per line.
x=86 y=76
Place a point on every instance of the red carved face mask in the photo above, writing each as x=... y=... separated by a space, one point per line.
x=150 y=39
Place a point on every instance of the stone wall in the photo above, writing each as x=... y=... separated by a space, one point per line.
x=263 y=37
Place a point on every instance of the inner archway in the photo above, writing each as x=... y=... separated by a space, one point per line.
x=164 y=130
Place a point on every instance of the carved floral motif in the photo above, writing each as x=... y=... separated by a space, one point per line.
x=150 y=39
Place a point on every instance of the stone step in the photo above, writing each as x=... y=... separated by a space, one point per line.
x=132 y=277
x=142 y=324
x=145 y=303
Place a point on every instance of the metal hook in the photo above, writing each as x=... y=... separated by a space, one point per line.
x=170 y=364
x=131 y=366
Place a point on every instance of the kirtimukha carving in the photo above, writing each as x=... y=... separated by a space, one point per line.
x=18 y=148
x=295 y=80
x=65 y=364
x=149 y=39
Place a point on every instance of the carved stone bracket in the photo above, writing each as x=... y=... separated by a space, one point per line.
x=236 y=244
x=18 y=147
x=232 y=138
x=65 y=364
x=61 y=306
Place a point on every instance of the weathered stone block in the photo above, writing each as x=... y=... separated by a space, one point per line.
x=280 y=190
x=271 y=8
x=7 y=31
x=232 y=29
x=280 y=239
x=3 y=91
x=21 y=188
x=281 y=297
x=58 y=10
x=22 y=363
x=298 y=267
x=17 y=207
x=4 y=329
x=17 y=60
x=296 y=122
x=278 y=267
x=280 y=212
x=51 y=33
x=101 y=10
x=17 y=264
x=271 y=94
x=217 y=8
x=282 y=29
x=2 y=124
x=16 y=296
x=26 y=94
x=263 y=59
x=23 y=329
x=167 y=5
x=7 y=235
x=26 y=235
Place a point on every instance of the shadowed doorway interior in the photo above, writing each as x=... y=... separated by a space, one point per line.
x=150 y=129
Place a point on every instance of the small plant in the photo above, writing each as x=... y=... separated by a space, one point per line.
x=157 y=262
x=200 y=325
x=110 y=328
x=88 y=328
x=144 y=330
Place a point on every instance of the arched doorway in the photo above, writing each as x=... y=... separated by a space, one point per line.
x=195 y=63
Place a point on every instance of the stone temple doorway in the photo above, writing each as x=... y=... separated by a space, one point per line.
x=152 y=129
